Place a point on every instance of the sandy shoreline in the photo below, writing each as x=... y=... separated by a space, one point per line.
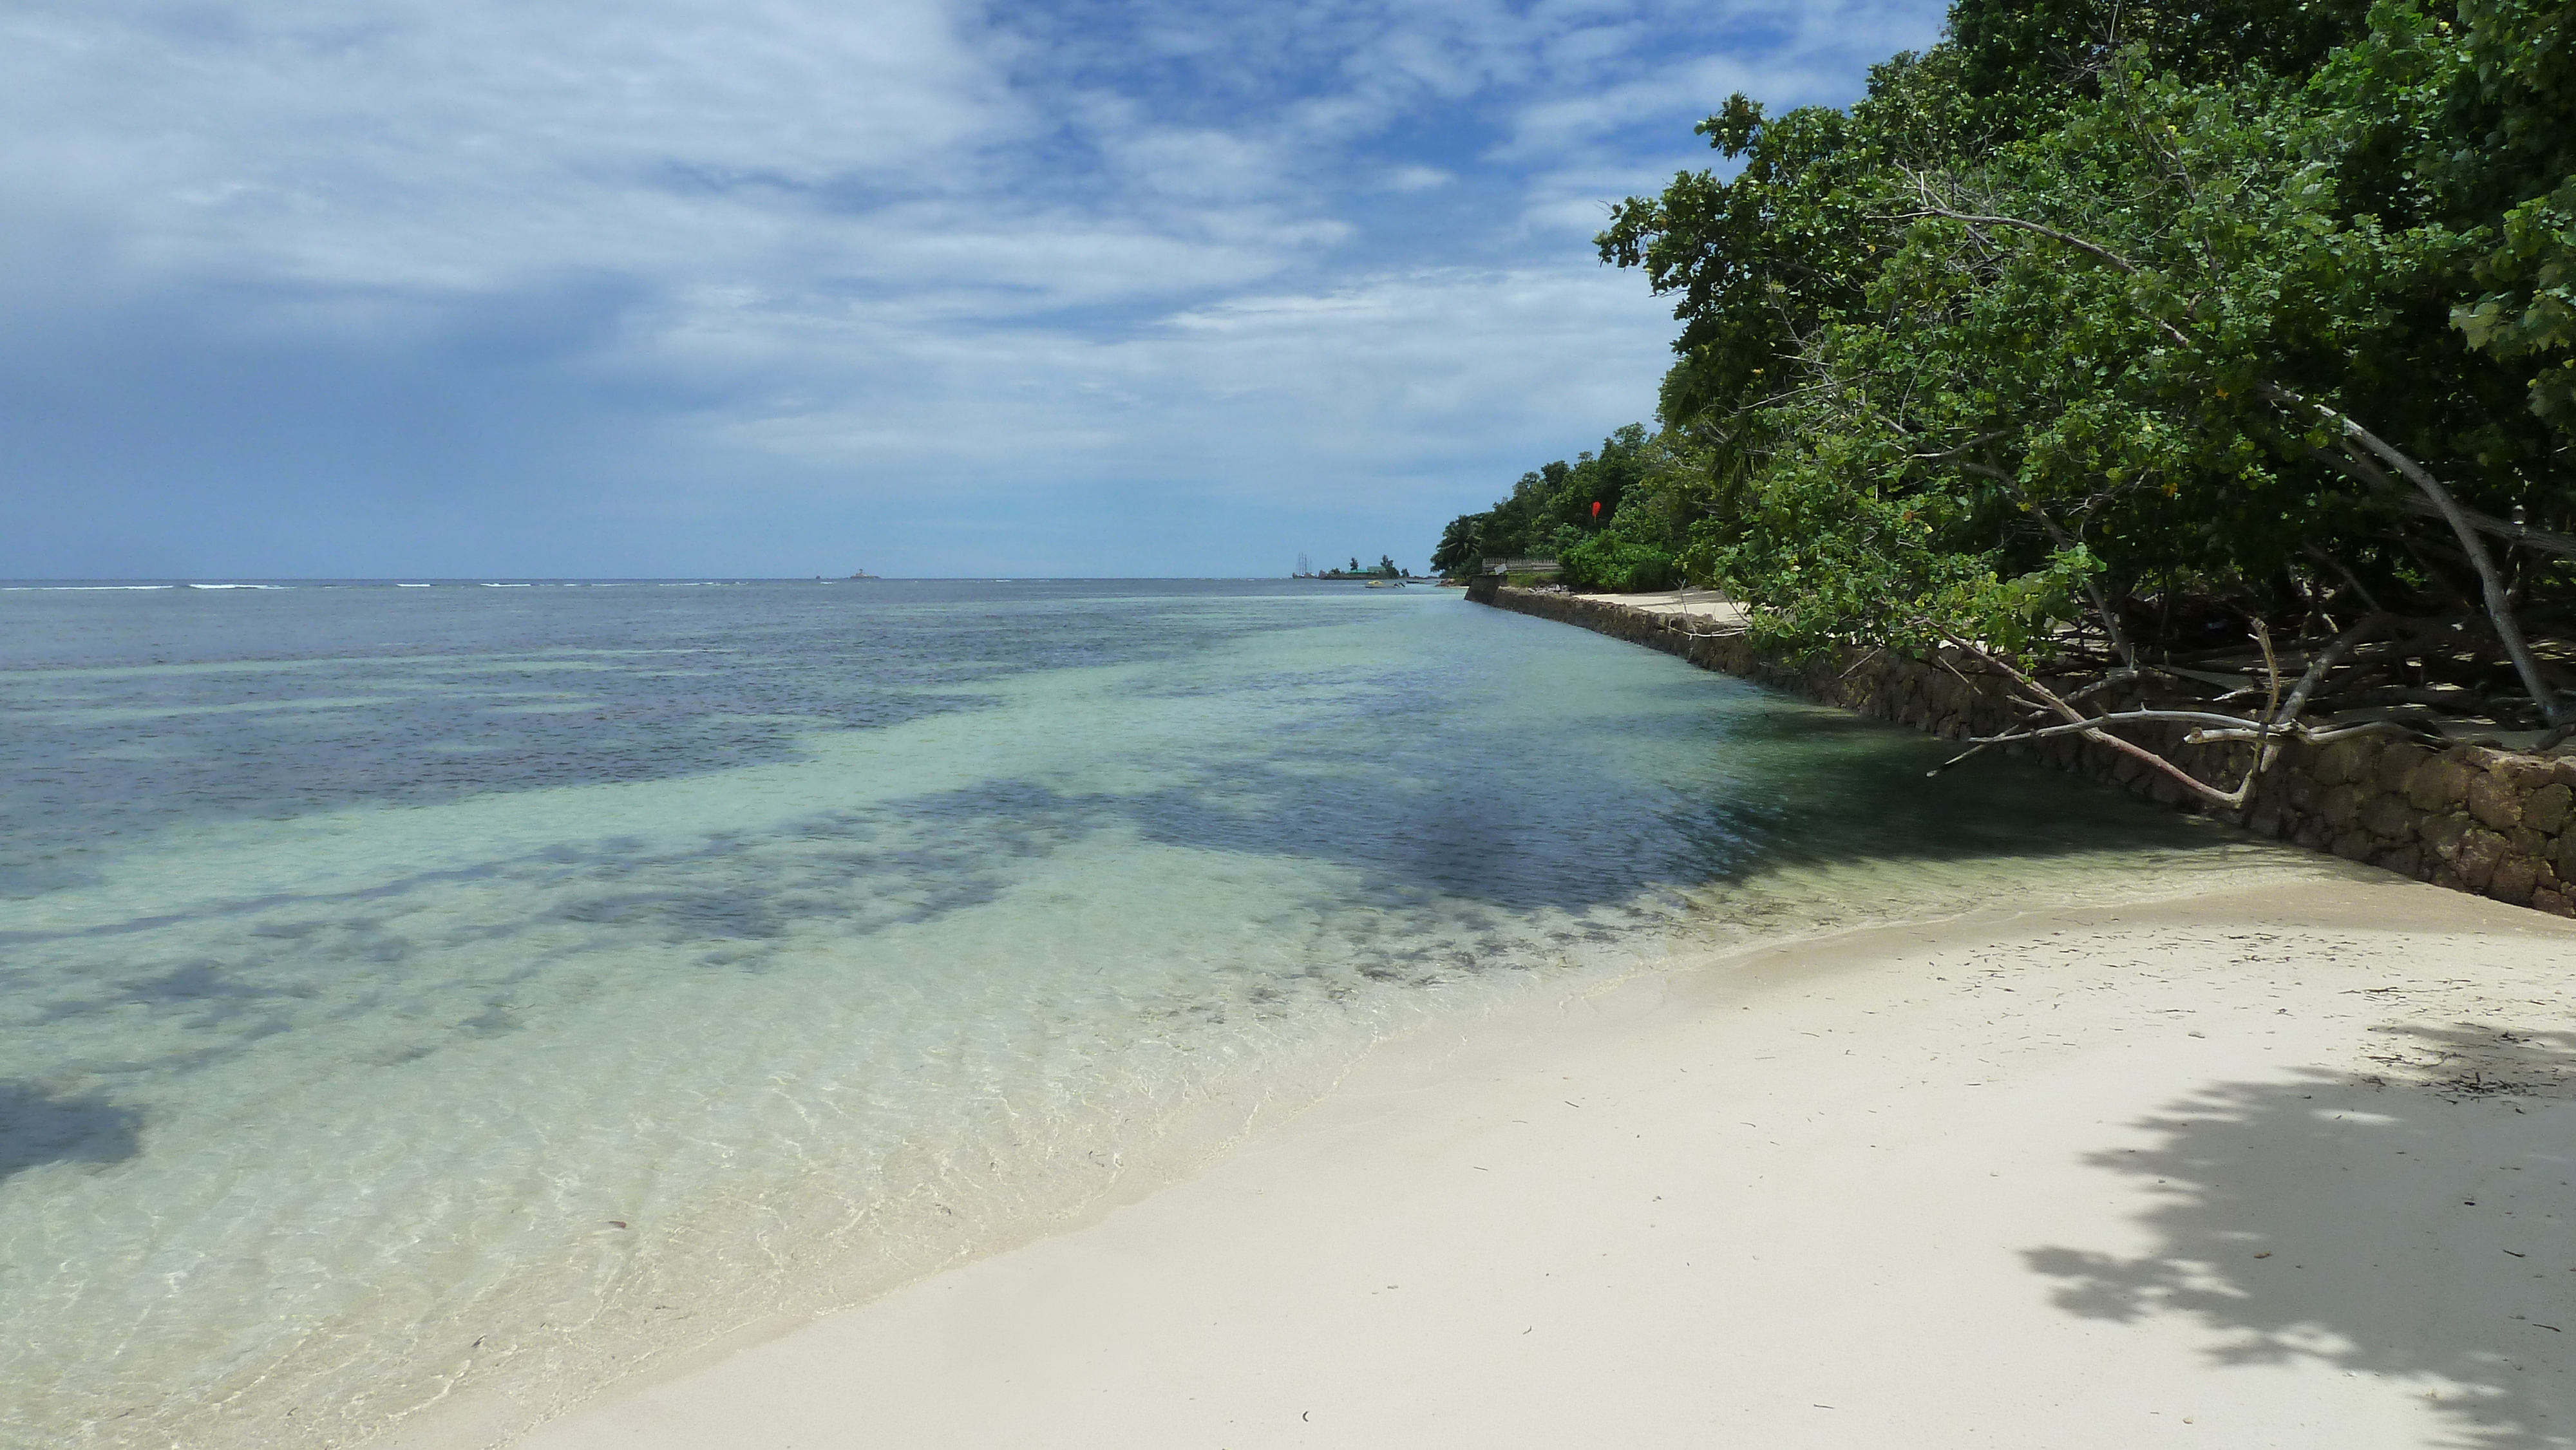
x=2287 y=1168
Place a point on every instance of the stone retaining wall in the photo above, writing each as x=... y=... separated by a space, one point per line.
x=2467 y=817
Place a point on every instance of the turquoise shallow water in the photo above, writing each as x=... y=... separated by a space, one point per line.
x=410 y=991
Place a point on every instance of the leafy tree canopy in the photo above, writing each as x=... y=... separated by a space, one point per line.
x=2117 y=332
x=1610 y=517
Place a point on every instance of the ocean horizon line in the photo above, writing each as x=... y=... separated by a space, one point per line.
x=294 y=581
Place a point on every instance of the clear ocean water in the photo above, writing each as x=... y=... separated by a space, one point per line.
x=416 y=992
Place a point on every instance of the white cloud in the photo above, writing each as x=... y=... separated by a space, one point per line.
x=1009 y=247
x=1328 y=394
x=1417 y=178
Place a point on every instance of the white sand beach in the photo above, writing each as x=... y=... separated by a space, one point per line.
x=2278 y=1169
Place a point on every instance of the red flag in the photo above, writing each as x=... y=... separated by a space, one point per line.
x=1596 y=508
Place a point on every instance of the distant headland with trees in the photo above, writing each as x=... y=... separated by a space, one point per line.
x=1384 y=568
x=2157 y=342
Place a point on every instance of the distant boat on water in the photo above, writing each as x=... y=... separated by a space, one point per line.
x=863 y=574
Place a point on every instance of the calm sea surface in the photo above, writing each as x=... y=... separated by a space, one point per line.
x=407 y=992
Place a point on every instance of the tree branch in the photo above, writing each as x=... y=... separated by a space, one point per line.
x=2491 y=582
x=2327 y=658
x=2099 y=253
x=1980 y=441
x=2090 y=724
x=2538 y=540
x=2080 y=724
x=2095 y=250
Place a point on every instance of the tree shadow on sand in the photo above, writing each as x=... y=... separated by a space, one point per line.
x=2413 y=1224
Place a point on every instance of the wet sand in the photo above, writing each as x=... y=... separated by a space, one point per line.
x=2283 y=1168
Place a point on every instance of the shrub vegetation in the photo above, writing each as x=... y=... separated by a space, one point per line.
x=2132 y=338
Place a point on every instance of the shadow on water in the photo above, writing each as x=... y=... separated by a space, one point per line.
x=1446 y=800
x=37 y=1128
x=1476 y=818
x=328 y=700
x=2413 y=1230
x=1776 y=788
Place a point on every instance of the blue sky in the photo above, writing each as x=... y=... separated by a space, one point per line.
x=779 y=287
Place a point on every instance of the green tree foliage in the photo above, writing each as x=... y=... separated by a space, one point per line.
x=1633 y=535
x=2514 y=104
x=2168 y=321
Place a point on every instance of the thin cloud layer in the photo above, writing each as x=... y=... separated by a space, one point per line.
x=474 y=287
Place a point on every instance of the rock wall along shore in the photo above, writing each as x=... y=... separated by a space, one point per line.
x=2468 y=817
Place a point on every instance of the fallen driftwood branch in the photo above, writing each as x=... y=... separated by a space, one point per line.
x=2338 y=680
x=2097 y=727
